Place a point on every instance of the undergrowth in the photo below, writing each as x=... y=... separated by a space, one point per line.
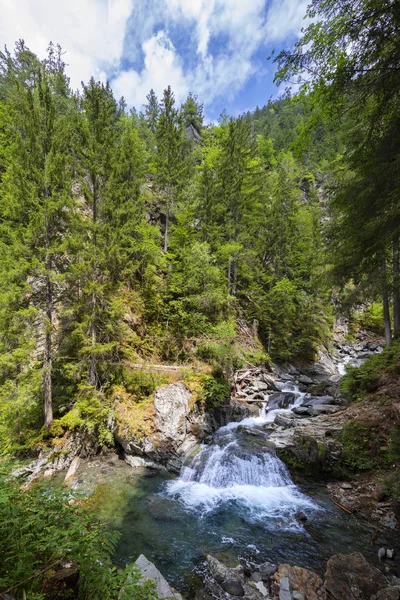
x=358 y=382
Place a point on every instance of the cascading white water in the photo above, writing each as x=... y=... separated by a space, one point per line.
x=239 y=467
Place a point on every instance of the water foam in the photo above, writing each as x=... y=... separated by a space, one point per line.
x=235 y=469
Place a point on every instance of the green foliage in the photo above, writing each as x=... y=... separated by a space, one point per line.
x=215 y=390
x=372 y=318
x=365 y=379
x=91 y=412
x=39 y=528
x=143 y=238
x=358 y=446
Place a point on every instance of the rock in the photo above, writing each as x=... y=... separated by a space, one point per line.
x=62 y=577
x=390 y=553
x=261 y=588
x=323 y=368
x=350 y=576
x=218 y=570
x=300 y=516
x=324 y=409
x=285 y=419
x=49 y=473
x=138 y=461
x=284 y=589
x=301 y=580
x=301 y=411
x=305 y=379
x=281 y=399
x=271 y=383
x=73 y=468
x=389 y=593
x=267 y=569
x=286 y=377
x=298 y=596
x=256 y=576
x=173 y=425
x=318 y=400
x=346 y=486
x=150 y=571
x=172 y=406
x=233 y=587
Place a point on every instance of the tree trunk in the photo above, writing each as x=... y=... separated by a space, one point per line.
x=385 y=301
x=396 y=289
x=166 y=233
x=234 y=276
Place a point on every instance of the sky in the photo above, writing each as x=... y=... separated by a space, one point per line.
x=216 y=49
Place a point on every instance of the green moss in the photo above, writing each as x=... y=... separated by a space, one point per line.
x=293 y=462
x=92 y=412
x=358 y=446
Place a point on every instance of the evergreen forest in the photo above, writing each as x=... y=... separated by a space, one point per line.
x=140 y=236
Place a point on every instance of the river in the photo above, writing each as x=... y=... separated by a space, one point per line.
x=234 y=499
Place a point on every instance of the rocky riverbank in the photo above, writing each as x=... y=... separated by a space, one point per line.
x=347 y=577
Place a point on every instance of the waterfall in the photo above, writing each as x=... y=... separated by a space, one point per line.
x=240 y=468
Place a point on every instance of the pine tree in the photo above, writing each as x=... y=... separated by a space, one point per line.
x=97 y=134
x=152 y=110
x=168 y=158
x=36 y=199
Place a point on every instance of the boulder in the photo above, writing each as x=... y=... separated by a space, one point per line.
x=305 y=379
x=150 y=571
x=301 y=411
x=300 y=580
x=137 y=462
x=73 y=468
x=267 y=569
x=281 y=400
x=219 y=571
x=318 y=400
x=323 y=409
x=285 y=419
x=174 y=427
x=233 y=587
x=389 y=593
x=61 y=581
x=351 y=577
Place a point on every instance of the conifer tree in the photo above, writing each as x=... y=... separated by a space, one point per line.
x=36 y=198
x=152 y=110
x=168 y=158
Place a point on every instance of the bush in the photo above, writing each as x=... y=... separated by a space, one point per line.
x=365 y=379
x=358 y=445
x=215 y=390
x=39 y=528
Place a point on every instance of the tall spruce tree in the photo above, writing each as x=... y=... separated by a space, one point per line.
x=168 y=157
x=36 y=199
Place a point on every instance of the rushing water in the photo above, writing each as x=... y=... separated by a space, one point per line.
x=234 y=499
x=240 y=468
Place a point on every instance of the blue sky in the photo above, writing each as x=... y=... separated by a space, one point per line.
x=216 y=49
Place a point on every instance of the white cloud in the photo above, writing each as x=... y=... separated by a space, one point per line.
x=133 y=43
x=285 y=17
x=91 y=31
x=162 y=67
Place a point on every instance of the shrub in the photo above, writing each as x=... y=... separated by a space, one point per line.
x=215 y=390
x=358 y=446
x=365 y=379
x=39 y=528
